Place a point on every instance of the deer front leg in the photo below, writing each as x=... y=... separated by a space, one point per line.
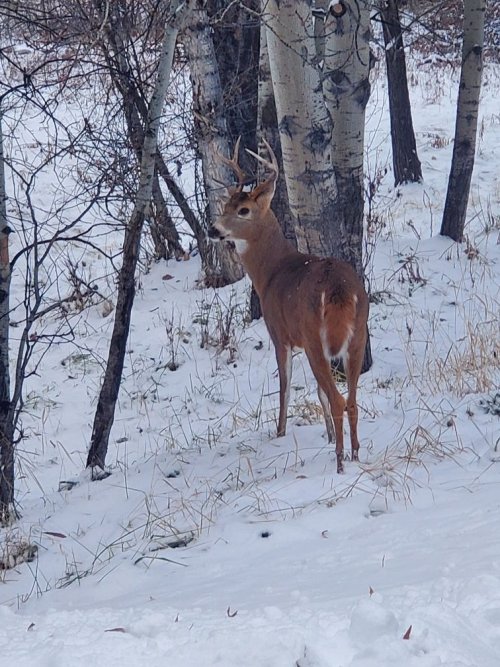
x=284 y=359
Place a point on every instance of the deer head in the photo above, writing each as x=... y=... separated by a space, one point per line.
x=246 y=213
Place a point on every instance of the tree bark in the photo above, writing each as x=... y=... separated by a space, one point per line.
x=462 y=163
x=163 y=231
x=212 y=138
x=105 y=410
x=304 y=124
x=406 y=165
x=346 y=88
x=236 y=37
x=319 y=12
x=267 y=124
x=6 y=416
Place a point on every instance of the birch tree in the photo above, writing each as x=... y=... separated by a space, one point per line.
x=105 y=409
x=346 y=88
x=321 y=112
x=267 y=125
x=304 y=124
x=116 y=43
x=462 y=163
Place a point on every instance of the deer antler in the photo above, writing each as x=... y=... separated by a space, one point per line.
x=272 y=165
x=233 y=164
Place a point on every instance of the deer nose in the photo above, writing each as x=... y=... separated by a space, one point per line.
x=215 y=234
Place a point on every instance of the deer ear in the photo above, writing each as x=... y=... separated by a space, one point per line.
x=264 y=193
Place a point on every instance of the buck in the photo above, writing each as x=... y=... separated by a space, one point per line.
x=313 y=303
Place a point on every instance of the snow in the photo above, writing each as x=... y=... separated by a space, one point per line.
x=285 y=562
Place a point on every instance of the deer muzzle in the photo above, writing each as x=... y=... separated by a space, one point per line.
x=215 y=234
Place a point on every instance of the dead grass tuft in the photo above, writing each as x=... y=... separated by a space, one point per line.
x=15 y=550
x=472 y=363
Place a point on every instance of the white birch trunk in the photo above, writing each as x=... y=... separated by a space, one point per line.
x=346 y=89
x=267 y=127
x=464 y=147
x=303 y=121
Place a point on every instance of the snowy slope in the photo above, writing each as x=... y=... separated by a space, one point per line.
x=284 y=562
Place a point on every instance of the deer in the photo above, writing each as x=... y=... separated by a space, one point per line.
x=316 y=304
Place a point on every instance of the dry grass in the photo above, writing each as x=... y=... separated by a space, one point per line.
x=436 y=140
x=16 y=549
x=472 y=364
x=392 y=475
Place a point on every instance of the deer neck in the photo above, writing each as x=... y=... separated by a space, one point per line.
x=262 y=256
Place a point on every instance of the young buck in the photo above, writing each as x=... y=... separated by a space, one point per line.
x=308 y=302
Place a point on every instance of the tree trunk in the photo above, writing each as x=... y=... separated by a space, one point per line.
x=115 y=51
x=212 y=138
x=163 y=231
x=464 y=147
x=267 y=125
x=105 y=410
x=236 y=37
x=204 y=245
x=6 y=416
x=406 y=165
x=346 y=89
x=304 y=124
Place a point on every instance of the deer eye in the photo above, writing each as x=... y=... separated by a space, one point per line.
x=243 y=211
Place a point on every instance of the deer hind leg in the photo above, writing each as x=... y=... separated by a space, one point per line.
x=320 y=366
x=284 y=359
x=352 y=364
x=327 y=412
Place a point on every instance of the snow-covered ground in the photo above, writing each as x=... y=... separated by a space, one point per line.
x=213 y=542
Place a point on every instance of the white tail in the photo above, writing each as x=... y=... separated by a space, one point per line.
x=308 y=302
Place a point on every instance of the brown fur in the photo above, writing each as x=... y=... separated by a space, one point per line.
x=317 y=304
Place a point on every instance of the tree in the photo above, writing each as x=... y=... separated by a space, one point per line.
x=124 y=38
x=321 y=111
x=464 y=146
x=30 y=85
x=236 y=38
x=406 y=165
x=105 y=409
x=346 y=89
x=122 y=62
x=6 y=424
x=267 y=124
x=211 y=136
x=304 y=125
